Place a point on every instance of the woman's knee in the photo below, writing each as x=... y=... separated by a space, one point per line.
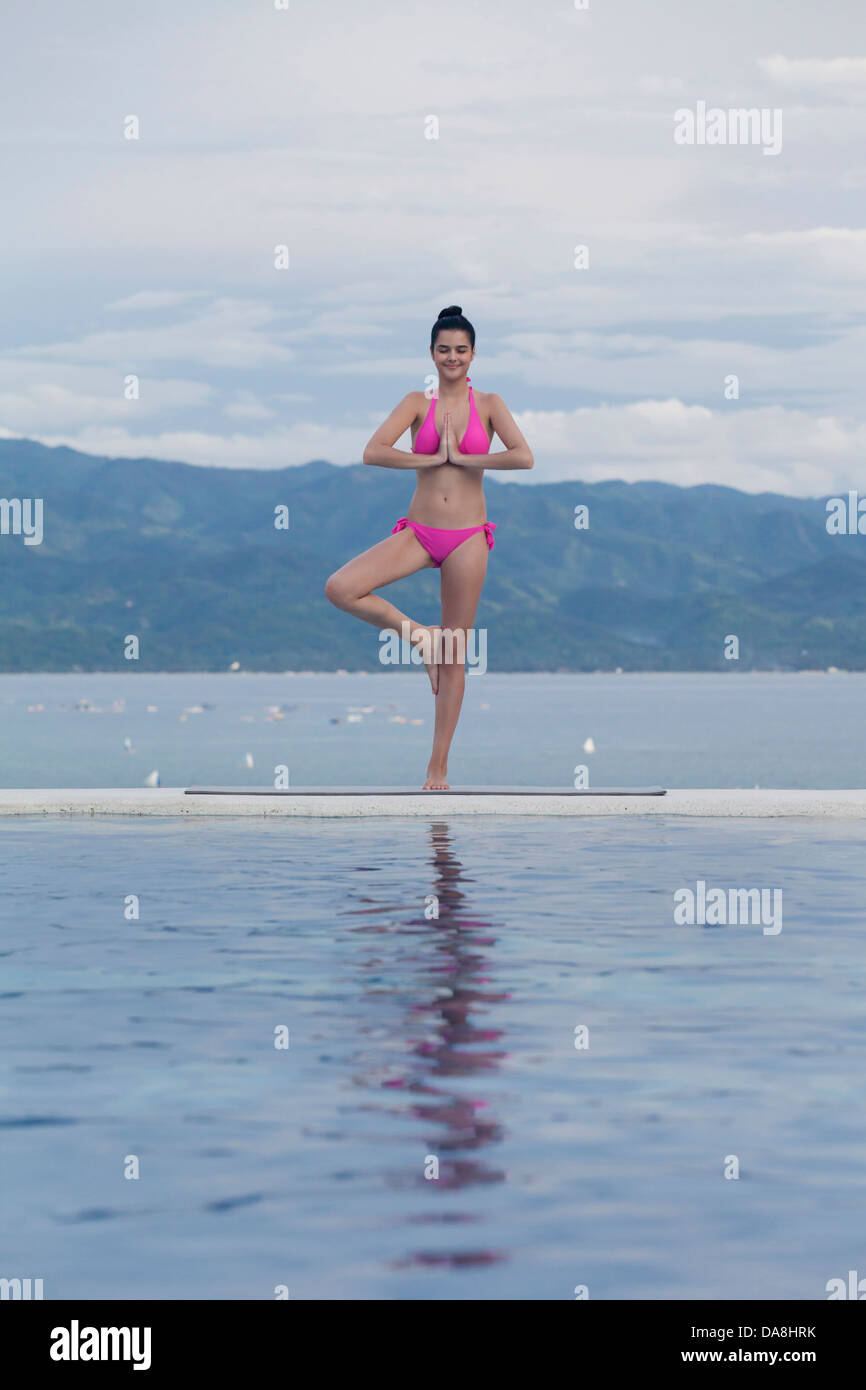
x=454 y=647
x=337 y=590
x=453 y=664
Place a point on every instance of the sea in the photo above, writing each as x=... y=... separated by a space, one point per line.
x=694 y=730
x=453 y=1058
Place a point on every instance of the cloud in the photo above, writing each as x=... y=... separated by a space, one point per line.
x=306 y=126
x=829 y=252
x=757 y=450
x=654 y=84
x=229 y=333
x=156 y=299
x=39 y=399
x=245 y=406
x=282 y=447
x=815 y=72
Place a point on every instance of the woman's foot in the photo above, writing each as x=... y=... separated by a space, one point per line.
x=429 y=641
x=437 y=780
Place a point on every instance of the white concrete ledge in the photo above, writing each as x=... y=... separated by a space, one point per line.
x=173 y=801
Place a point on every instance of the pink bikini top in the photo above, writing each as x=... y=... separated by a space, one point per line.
x=475 y=439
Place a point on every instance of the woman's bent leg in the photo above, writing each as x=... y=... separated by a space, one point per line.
x=394 y=558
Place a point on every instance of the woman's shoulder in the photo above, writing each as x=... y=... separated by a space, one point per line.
x=413 y=404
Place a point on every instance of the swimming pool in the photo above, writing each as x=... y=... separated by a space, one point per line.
x=414 y=1038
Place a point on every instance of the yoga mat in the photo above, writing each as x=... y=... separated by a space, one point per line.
x=416 y=791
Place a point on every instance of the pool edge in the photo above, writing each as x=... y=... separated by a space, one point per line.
x=173 y=801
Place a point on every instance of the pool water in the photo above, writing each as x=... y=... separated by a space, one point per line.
x=431 y=1131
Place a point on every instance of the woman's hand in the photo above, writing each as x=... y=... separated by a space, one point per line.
x=451 y=446
x=441 y=455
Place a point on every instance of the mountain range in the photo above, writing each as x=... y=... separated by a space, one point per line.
x=188 y=559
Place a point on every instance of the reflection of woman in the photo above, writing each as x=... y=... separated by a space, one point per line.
x=452 y=1045
x=445 y=527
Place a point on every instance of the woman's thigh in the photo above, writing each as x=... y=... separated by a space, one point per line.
x=384 y=563
x=463 y=574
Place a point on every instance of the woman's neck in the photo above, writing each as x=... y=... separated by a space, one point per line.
x=454 y=391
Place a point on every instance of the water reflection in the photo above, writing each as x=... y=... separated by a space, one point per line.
x=451 y=1046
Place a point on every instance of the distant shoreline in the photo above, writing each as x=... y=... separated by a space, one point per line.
x=407 y=670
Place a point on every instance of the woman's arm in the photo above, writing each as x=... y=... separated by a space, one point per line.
x=516 y=454
x=380 y=450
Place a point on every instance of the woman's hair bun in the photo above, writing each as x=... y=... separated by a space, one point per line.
x=453 y=316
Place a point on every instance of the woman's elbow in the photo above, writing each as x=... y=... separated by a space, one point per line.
x=530 y=461
x=367 y=456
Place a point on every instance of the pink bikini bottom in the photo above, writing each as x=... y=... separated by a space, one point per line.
x=438 y=542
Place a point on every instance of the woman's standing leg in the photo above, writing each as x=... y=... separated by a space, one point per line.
x=463 y=573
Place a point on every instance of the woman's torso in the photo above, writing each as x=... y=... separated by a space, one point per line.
x=447 y=494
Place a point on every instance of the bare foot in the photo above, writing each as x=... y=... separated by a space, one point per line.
x=436 y=781
x=429 y=641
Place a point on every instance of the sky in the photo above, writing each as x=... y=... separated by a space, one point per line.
x=306 y=125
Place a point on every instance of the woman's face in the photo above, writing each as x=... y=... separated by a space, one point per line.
x=452 y=352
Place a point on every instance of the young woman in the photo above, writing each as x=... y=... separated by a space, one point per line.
x=445 y=527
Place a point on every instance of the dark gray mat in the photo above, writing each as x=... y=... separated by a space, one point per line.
x=416 y=791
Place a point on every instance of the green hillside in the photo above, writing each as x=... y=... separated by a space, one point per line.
x=188 y=559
